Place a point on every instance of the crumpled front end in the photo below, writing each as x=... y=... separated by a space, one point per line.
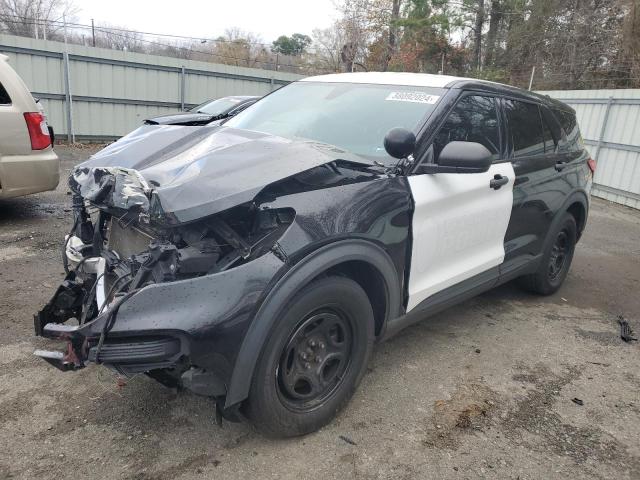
x=144 y=296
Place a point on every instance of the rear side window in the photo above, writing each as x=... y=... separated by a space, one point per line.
x=570 y=127
x=4 y=96
x=549 y=141
x=525 y=128
x=473 y=119
x=552 y=131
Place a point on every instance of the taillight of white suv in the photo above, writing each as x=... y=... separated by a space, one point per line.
x=38 y=130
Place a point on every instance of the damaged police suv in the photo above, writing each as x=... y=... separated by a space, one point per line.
x=257 y=262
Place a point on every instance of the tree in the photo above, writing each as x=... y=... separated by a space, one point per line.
x=117 y=38
x=393 y=33
x=630 y=52
x=36 y=18
x=477 y=34
x=240 y=48
x=328 y=42
x=495 y=18
x=427 y=26
x=294 y=45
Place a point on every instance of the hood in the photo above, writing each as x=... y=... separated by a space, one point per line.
x=195 y=172
x=184 y=118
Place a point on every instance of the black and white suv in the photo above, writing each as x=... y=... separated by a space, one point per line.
x=258 y=262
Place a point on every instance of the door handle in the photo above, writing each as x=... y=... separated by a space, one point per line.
x=498 y=181
x=561 y=166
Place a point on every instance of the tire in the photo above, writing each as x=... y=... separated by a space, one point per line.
x=556 y=259
x=313 y=360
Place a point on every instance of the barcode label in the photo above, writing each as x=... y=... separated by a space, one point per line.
x=415 y=97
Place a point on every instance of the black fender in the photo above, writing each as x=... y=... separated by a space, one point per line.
x=578 y=196
x=289 y=284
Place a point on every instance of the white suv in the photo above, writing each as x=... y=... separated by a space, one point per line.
x=28 y=163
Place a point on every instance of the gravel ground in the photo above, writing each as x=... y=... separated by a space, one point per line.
x=483 y=390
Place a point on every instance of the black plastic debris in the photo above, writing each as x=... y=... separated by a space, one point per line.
x=577 y=401
x=626 y=333
x=347 y=439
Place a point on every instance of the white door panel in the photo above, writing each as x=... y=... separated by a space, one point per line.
x=459 y=224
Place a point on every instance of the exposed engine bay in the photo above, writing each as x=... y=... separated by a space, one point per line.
x=115 y=249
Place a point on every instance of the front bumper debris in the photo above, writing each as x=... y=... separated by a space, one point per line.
x=73 y=358
x=61 y=360
x=66 y=303
x=131 y=354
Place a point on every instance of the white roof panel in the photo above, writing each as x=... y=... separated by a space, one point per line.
x=387 y=78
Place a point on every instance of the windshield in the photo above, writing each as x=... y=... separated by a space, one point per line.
x=352 y=116
x=217 y=107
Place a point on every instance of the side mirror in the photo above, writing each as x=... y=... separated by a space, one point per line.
x=399 y=142
x=460 y=157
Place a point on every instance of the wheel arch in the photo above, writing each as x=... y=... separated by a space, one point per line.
x=579 y=209
x=577 y=204
x=361 y=260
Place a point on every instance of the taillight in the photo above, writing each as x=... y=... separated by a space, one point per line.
x=592 y=165
x=38 y=130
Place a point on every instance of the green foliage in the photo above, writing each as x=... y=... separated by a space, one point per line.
x=571 y=43
x=294 y=45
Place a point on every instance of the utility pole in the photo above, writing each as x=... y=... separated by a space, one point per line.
x=93 y=32
x=71 y=136
x=533 y=72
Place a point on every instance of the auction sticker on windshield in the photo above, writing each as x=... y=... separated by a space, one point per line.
x=415 y=97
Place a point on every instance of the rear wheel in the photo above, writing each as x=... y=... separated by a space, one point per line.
x=313 y=360
x=556 y=260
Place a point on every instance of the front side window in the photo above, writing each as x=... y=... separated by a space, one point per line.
x=4 y=96
x=352 y=116
x=473 y=119
x=525 y=128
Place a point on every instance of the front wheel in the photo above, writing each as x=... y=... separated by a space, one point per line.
x=313 y=359
x=556 y=259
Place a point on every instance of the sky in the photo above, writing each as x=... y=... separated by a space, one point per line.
x=209 y=19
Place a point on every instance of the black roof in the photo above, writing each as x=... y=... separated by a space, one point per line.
x=508 y=90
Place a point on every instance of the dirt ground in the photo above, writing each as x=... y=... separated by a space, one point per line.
x=483 y=390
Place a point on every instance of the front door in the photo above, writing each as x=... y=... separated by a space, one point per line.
x=459 y=221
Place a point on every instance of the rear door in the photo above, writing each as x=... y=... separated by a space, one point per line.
x=459 y=221
x=533 y=138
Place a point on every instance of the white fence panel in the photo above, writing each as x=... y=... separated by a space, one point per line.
x=610 y=124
